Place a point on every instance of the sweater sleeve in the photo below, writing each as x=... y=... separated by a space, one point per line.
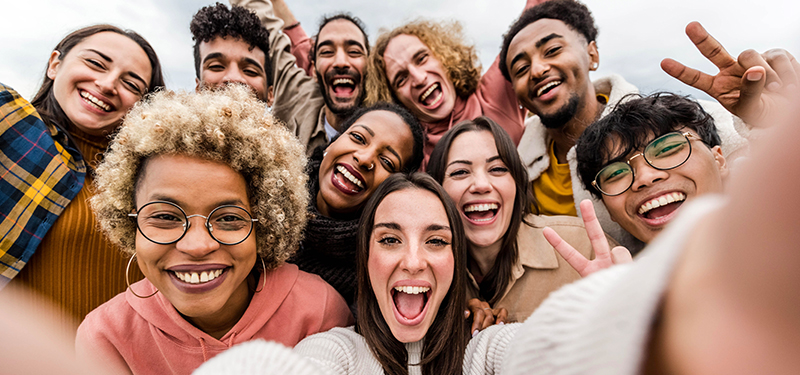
x=486 y=352
x=92 y=345
x=333 y=352
x=301 y=46
x=258 y=357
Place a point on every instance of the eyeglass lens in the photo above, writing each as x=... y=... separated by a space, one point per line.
x=666 y=152
x=164 y=222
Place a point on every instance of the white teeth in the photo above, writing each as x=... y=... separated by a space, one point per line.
x=340 y=81
x=99 y=103
x=197 y=278
x=428 y=92
x=661 y=201
x=412 y=289
x=481 y=207
x=547 y=86
x=349 y=176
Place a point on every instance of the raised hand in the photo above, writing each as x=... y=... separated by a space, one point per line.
x=753 y=86
x=484 y=315
x=604 y=256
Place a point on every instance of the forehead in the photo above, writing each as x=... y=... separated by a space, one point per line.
x=231 y=49
x=473 y=145
x=527 y=38
x=389 y=129
x=400 y=50
x=123 y=51
x=170 y=174
x=412 y=208
x=340 y=30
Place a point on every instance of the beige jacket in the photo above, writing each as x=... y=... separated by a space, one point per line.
x=540 y=269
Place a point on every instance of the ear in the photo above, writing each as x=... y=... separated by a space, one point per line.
x=722 y=164
x=594 y=55
x=198 y=85
x=270 y=96
x=314 y=69
x=53 y=64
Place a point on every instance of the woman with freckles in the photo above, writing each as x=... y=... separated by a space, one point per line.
x=511 y=265
x=375 y=142
x=428 y=68
x=50 y=148
x=208 y=195
x=411 y=266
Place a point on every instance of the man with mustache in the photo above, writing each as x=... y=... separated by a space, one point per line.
x=315 y=101
x=547 y=55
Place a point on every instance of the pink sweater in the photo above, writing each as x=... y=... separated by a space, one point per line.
x=148 y=336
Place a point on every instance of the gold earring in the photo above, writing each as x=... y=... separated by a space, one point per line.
x=128 y=280
x=264 y=270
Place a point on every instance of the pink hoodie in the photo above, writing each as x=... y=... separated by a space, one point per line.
x=148 y=336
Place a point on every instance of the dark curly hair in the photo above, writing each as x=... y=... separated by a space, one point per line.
x=573 y=13
x=312 y=53
x=633 y=123
x=217 y=21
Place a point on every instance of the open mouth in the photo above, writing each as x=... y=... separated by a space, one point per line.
x=432 y=96
x=198 y=277
x=546 y=88
x=662 y=206
x=343 y=86
x=96 y=102
x=410 y=302
x=481 y=213
x=347 y=181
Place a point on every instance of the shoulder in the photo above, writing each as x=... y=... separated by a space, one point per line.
x=258 y=357
x=338 y=351
x=114 y=315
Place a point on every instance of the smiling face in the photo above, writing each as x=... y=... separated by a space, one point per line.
x=549 y=65
x=418 y=79
x=197 y=186
x=480 y=184
x=341 y=58
x=226 y=60
x=656 y=196
x=99 y=80
x=410 y=261
x=375 y=146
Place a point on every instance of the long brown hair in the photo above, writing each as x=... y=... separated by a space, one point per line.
x=45 y=101
x=446 y=339
x=496 y=280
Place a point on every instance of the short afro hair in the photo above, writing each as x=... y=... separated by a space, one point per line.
x=217 y=21
x=632 y=124
x=227 y=126
x=573 y=13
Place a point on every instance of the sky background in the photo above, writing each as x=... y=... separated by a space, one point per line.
x=634 y=35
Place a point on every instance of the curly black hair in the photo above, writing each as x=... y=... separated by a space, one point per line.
x=573 y=13
x=635 y=121
x=217 y=21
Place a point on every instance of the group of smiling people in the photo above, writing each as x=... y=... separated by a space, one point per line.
x=396 y=212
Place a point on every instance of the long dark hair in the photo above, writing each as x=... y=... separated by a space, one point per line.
x=446 y=339
x=494 y=283
x=45 y=101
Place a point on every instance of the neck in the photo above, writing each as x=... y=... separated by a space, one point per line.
x=482 y=259
x=220 y=322
x=333 y=119
x=565 y=137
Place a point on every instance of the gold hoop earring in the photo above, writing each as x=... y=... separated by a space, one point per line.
x=264 y=270
x=128 y=279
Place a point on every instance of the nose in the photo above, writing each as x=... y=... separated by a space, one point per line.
x=107 y=83
x=197 y=242
x=414 y=260
x=233 y=74
x=340 y=59
x=480 y=183
x=538 y=69
x=416 y=76
x=645 y=175
x=365 y=158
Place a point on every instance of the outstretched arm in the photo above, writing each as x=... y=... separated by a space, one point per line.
x=301 y=43
x=750 y=86
x=604 y=256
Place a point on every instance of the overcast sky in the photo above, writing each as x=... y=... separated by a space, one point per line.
x=634 y=35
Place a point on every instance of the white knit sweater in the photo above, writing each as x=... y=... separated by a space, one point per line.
x=601 y=324
x=342 y=351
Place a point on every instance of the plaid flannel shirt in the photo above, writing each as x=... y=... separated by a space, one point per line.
x=38 y=178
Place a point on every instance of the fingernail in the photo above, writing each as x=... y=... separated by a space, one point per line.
x=474 y=333
x=774 y=86
x=754 y=76
x=501 y=323
x=466 y=313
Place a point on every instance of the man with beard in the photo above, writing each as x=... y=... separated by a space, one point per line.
x=547 y=54
x=314 y=104
x=229 y=47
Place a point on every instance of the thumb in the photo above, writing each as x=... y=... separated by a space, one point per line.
x=750 y=105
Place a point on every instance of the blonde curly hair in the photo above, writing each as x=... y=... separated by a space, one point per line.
x=446 y=42
x=227 y=126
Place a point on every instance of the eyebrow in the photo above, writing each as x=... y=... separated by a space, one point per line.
x=414 y=57
x=167 y=198
x=429 y=228
x=437 y=227
x=467 y=162
x=109 y=59
x=219 y=55
x=394 y=226
x=546 y=39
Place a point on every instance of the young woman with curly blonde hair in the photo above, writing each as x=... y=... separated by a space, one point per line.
x=428 y=68
x=208 y=194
